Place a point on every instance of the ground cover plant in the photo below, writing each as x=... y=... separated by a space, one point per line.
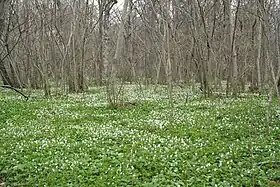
x=78 y=140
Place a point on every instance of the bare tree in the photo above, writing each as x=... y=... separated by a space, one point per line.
x=9 y=76
x=71 y=45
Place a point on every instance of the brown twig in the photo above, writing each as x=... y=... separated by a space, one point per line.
x=16 y=90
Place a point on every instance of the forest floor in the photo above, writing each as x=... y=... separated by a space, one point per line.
x=79 y=141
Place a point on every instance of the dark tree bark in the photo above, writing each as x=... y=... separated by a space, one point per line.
x=4 y=74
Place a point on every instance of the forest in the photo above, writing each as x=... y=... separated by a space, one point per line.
x=139 y=93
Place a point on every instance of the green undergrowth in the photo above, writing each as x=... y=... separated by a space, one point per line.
x=79 y=140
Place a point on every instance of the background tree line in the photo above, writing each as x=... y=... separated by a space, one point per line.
x=67 y=45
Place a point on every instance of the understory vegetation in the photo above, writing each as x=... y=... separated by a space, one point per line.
x=78 y=140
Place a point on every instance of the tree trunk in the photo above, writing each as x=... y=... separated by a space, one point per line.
x=168 y=52
x=3 y=71
x=259 y=49
x=112 y=94
x=233 y=26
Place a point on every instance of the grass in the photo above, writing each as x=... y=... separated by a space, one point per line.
x=79 y=141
